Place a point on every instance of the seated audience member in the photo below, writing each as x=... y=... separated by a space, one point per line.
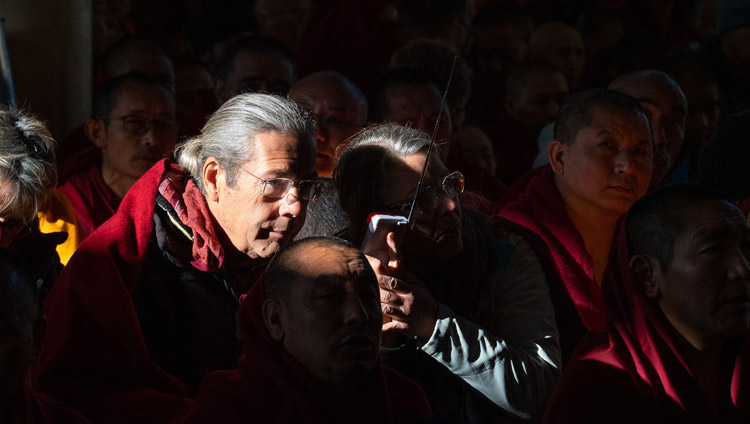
x=129 y=55
x=533 y=96
x=339 y=108
x=147 y=305
x=134 y=127
x=255 y=64
x=678 y=309
x=667 y=110
x=476 y=148
x=600 y=165
x=23 y=327
x=702 y=96
x=467 y=311
x=561 y=46
x=311 y=334
x=33 y=214
x=195 y=99
x=412 y=97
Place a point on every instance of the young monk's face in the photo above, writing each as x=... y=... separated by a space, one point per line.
x=608 y=166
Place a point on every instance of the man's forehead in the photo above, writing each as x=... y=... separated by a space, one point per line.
x=715 y=220
x=282 y=154
x=141 y=95
x=329 y=261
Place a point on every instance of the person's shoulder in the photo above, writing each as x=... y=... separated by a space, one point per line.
x=408 y=400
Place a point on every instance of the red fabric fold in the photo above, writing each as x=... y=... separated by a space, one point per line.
x=539 y=214
x=43 y=409
x=638 y=360
x=92 y=199
x=272 y=387
x=94 y=357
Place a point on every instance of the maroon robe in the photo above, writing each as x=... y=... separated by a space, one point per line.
x=635 y=372
x=539 y=215
x=92 y=199
x=272 y=387
x=514 y=150
x=94 y=356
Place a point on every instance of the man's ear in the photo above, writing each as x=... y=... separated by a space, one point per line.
x=648 y=271
x=96 y=132
x=40 y=329
x=556 y=153
x=273 y=319
x=212 y=175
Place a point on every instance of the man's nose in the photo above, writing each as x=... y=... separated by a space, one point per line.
x=291 y=204
x=740 y=265
x=355 y=312
x=624 y=162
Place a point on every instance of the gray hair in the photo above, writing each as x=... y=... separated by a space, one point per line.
x=229 y=135
x=359 y=174
x=27 y=164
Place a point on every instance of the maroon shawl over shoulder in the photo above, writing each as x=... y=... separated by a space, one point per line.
x=635 y=373
x=94 y=357
x=92 y=199
x=539 y=215
x=272 y=387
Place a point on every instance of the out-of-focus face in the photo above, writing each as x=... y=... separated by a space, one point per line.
x=565 y=51
x=476 y=148
x=140 y=131
x=537 y=105
x=608 y=166
x=703 y=114
x=437 y=218
x=255 y=224
x=195 y=98
x=338 y=110
x=705 y=292
x=16 y=345
x=666 y=108
x=283 y=20
x=257 y=72
x=332 y=319
x=497 y=49
x=418 y=106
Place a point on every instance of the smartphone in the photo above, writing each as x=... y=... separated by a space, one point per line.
x=378 y=227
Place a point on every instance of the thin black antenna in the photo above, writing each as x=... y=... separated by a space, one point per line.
x=432 y=141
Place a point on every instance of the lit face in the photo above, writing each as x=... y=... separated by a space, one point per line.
x=705 y=293
x=537 y=105
x=666 y=109
x=418 y=106
x=608 y=166
x=331 y=322
x=16 y=345
x=141 y=130
x=437 y=229
x=257 y=72
x=338 y=110
x=255 y=224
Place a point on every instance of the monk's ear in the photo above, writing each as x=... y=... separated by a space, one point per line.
x=648 y=272
x=556 y=153
x=213 y=176
x=96 y=132
x=272 y=317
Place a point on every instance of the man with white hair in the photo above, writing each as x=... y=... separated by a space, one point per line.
x=146 y=307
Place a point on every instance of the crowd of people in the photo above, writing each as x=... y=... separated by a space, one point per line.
x=570 y=198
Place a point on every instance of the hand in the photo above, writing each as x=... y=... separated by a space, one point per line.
x=407 y=305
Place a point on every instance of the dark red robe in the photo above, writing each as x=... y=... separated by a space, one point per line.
x=272 y=387
x=539 y=215
x=635 y=373
x=92 y=199
x=94 y=357
x=43 y=409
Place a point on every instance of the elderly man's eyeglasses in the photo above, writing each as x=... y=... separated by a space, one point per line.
x=13 y=229
x=278 y=188
x=427 y=201
x=139 y=125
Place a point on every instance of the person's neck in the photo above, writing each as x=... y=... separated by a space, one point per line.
x=117 y=182
x=240 y=269
x=703 y=359
x=597 y=230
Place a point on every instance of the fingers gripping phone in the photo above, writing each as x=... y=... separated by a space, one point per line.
x=378 y=227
